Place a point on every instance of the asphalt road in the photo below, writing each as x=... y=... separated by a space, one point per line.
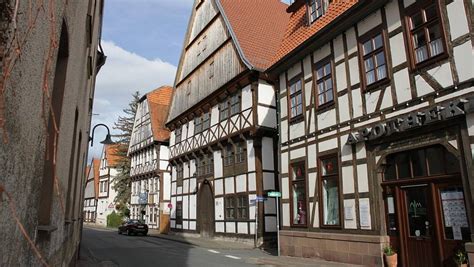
x=104 y=247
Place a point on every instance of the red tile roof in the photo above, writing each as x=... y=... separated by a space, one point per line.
x=112 y=154
x=298 y=31
x=259 y=26
x=159 y=102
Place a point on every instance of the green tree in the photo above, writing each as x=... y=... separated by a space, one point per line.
x=122 y=182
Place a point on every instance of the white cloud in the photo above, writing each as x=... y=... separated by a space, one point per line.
x=123 y=74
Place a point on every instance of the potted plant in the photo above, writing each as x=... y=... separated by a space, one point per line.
x=460 y=257
x=390 y=256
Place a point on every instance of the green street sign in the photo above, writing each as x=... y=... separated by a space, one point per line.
x=274 y=194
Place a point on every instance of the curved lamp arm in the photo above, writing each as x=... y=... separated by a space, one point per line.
x=107 y=140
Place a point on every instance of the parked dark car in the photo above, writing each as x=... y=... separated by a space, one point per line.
x=133 y=227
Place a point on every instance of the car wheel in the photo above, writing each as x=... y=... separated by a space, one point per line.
x=129 y=232
x=119 y=232
x=145 y=233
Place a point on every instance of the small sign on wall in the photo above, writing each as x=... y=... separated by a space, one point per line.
x=364 y=213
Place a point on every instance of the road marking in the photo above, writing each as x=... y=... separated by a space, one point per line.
x=232 y=257
x=213 y=251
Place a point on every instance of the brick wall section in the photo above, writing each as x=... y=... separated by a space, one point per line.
x=347 y=248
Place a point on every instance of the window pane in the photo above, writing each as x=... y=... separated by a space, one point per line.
x=367 y=46
x=381 y=72
x=329 y=96
x=421 y=54
x=328 y=84
x=452 y=163
x=378 y=41
x=436 y=47
x=299 y=203
x=369 y=64
x=321 y=88
x=370 y=77
x=327 y=69
x=417 y=204
x=298 y=172
x=436 y=160
x=419 y=38
x=403 y=165
x=321 y=99
x=416 y=20
x=329 y=166
x=320 y=73
x=431 y=13
x=390 y=170
x=330 y=202
x=380 y=58
x=418 y=161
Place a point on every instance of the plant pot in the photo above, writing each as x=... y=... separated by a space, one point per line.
x=391 y=260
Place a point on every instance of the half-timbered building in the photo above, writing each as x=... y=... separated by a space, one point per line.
x=108 y=170
x=223 y=120
x=148 y=152
x=376 y=136
x=91 y=192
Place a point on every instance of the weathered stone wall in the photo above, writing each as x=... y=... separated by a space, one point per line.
x=31 y=34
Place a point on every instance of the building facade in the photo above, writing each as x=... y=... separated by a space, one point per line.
x=49 y=65
x=376 y=102
x=91 y=192
x=108 y=170
x=223 y=121
x=149 y=152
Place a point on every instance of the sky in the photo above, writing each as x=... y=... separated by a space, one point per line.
x=142 y=40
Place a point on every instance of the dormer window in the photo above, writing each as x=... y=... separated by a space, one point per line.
x=317 y=8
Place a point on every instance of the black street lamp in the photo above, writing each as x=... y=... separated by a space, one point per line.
x=107 y=140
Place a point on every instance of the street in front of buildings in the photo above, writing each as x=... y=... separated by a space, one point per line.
x=104 y=247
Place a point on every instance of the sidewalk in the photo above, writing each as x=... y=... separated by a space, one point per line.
x=201 y=242
x=285 y=261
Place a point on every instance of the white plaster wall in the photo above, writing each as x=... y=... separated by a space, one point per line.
x=393 y=15
x=347 y=180
x=312 y=178
x=294 y=70
x=349 y=206
x=312 y=156
x=464 y=58
x=371 y=99
x=219 y=227
x=252 y=206
x=215 y=114
x=229 y=185
x=322 y=52
x=185 y=207
x=327 y=119
x=192 y=168
x=457 y=16
x=242 y=228
x=267 y=117
x=286 y=214
x=387 y=100
x=266 y=94
x=470 y=123
x=284 y=162
x=218 y=187
x=422 y=87
x=285 y=193
x=351 y=40
x=186 y=225
x=246 y=98
x=354 y=70
x=230 y=227
x=338 y=48
x=343 y=105
x=166 y=186
x=219 y=208
x=407 y=3
x=307 y=67
x=268 y=181
x=356 y=103
x=296 y=130
x=442 y=74
x=397 y=49
x=192 y=225
x=185 y=186
x=297 y=153
x=164 y=152
x=186 y=169
x=362 y=178
x=268 y=161
x=284 y=131
x=328 y=145
x=252 y=182
x=192 y=207
x=341 y=78
x=402 y=85
x=241 y=183
x=370 y=22
x=361 y=152
x=283 y=107
x=316 y=215
x=282 y=83
x=307 y=93
x=218 y=164
x=172 y=138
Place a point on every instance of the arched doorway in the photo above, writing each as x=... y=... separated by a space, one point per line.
x=206 y=210
x=425 y=207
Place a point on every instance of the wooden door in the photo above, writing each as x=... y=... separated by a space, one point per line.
x=206 y=210
x=419 y=231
